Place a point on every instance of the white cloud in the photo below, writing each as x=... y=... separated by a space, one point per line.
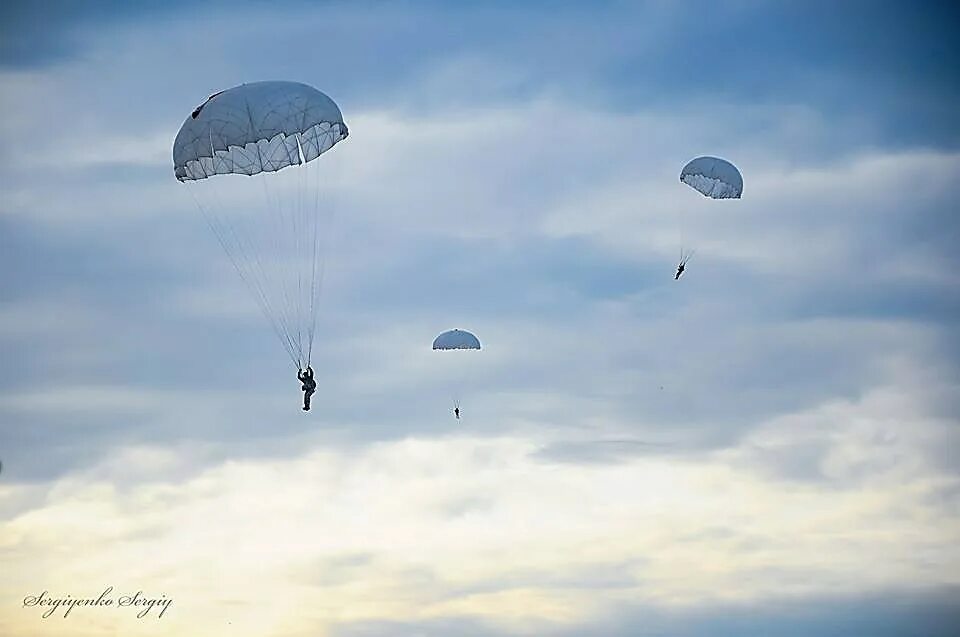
x=486 y=527
x=842 y=213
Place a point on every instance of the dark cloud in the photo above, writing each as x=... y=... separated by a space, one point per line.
x=893 y=614
x=35 y=34
x=879 y=72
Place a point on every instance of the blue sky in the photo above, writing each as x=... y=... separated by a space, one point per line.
x=766 y=447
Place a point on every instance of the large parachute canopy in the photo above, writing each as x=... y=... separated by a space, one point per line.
x=254 y=128
x=456 y=339
x=249 y=156
x=713 y=177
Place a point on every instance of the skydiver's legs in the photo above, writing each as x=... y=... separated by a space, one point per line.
x=306 y=400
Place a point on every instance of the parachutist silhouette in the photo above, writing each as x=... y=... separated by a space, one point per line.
x=456 y=412
x=683 y=264
x=309 y=386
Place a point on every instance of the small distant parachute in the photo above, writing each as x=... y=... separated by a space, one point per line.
x=456 y=339
x=713 y=177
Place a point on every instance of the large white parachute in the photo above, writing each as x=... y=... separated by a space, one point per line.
x=713 y=177
x=254 y=128
x=249 y=155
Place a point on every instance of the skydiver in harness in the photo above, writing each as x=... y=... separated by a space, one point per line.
x=683 y=264
x=309 y=386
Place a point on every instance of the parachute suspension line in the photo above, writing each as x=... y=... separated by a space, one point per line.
x=249 y=255
x=312 y=326
x=323 y=226
x=257 y=275
x=298 y=217
x=304 y=223
x=683 y=234
x=292 y=257
x=263 y=278
x=315 y=284
x=685 y=252
x=275 y=234
x=306 y=254
x=282 y=317
x=217 y=227
x=459 y=377
x=283 y=269
x=298 y=232
x=263 y=275
x=314 y=301
x=324 y=214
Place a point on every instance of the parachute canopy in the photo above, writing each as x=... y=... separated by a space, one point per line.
x=456 y=339
x=713 y=177
x=254 y=128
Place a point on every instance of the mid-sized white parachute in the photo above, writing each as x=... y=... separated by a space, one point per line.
x=249 y=154
x=456 y=339
x=713 y=177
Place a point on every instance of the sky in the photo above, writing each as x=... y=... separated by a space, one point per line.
x=767 y=446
